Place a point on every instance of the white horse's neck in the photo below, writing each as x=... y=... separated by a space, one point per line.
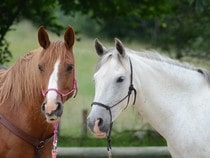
x=165 y=91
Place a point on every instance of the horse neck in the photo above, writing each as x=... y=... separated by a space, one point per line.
x=24 y=97
x=162 y=88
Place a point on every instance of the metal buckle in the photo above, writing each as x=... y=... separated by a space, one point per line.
x=41 y=145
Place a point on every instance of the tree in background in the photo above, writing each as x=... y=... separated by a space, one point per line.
x=183 y=25
x=187 y=28
x=40 y=12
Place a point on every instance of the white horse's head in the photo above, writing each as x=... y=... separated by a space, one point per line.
x=113 y=79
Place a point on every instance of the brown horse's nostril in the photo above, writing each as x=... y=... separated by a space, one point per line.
x=59 y=105
x=43 y=107
x=59 y=109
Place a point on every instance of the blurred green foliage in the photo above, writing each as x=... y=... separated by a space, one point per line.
x=40 y=12
x=183 y=25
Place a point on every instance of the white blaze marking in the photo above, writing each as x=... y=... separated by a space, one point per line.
x=53 y=82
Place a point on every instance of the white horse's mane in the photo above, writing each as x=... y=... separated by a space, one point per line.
x=171 y=95
x=154 y=55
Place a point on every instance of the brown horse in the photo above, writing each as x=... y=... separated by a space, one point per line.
x=38 y=83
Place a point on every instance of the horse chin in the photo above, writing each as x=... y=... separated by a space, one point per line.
x=100 y=135
x=53 y=120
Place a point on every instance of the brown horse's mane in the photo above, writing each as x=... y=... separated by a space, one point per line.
x=20 y=84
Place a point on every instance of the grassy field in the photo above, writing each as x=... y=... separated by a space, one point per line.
x=24 y=39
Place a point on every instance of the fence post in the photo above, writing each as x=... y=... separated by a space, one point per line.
x=84 y=122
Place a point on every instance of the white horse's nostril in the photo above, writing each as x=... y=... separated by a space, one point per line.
x=100 y=121
x=97 y=131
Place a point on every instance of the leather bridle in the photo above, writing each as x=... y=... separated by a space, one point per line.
x=37 y=143
x=130 y=90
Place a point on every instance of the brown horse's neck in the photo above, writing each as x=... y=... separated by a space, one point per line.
x=28 y=118
x=31 y=122
x=21 y=97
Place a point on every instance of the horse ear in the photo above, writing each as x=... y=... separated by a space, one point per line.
x=43 y=38
x=99 y=47
x=119 y=46
x=69 y=37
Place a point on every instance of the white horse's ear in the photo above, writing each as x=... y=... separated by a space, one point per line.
x=119 y=46
x=43 y=38
x=99 y=47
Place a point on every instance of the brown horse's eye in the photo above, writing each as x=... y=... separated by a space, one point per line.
x=41 y=69
x=69 y=68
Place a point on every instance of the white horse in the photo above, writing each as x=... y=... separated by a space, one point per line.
x=173 y=97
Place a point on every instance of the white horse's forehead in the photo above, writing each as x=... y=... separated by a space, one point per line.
x=109 y=69
x=105 y=80
x=53 y=81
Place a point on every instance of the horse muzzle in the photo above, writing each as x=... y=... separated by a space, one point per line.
x=52 y=111
x=96 y=130
x=99 y=127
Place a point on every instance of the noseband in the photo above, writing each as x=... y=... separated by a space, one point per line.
x=130 y=90
x=62 y=95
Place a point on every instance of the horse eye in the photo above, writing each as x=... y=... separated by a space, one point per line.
x=120 y=79
x=69 y=68
x=41 y=68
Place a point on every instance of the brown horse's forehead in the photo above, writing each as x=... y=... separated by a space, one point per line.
x=67 y=57
x=57 y=50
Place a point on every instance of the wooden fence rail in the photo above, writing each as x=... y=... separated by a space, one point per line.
x=117 y=152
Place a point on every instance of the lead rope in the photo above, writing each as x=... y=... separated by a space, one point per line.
x=55 y=141
x=108 y=137
x=109 y=145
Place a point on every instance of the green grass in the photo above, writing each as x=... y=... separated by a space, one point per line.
x=24 y=39
x=126 y=138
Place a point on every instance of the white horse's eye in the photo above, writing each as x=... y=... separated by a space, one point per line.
x=120 y=79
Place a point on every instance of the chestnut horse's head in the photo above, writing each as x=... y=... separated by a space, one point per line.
x=56 y=72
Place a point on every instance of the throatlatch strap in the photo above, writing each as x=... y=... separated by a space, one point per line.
x=37 y=143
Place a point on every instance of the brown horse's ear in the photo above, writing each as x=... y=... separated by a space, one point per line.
x=43 y=38
x=119 y=46
x=100 y=49
x=69 y=37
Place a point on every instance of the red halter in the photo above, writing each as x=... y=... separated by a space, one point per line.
x=44 y=93
x=74 y=89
